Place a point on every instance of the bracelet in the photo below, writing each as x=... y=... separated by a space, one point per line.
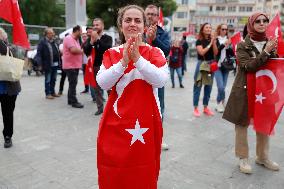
x=208 y=46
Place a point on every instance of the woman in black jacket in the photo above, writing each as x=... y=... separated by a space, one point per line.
x=8 y=95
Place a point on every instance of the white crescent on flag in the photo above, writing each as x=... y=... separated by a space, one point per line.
x=269 y=74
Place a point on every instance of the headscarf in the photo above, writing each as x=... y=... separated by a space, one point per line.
x=256 y=36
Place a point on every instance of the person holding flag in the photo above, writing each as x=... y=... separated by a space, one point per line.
x=130 y=131
x=253 y=52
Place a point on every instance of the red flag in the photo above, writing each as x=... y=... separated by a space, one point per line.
x=161 y=18
x=235 y=39
x=89 y=78
x=266 y=95
x=10 y=11
x=130 y=131
x=274 y=28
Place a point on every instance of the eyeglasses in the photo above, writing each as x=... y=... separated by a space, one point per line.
x=224 y=29
x=264 y=21
x=152 y=14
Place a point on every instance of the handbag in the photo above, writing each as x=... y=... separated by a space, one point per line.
x=11 y=68
x=228 y=64
x=213 y=66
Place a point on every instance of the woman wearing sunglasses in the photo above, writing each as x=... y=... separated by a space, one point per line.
x=225 y=53
x=252 y=53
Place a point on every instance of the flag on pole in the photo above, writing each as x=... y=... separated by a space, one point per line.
x=10 y=11
x=89 y=77
x=235 y=39
x=274 y=30
x=161 y=18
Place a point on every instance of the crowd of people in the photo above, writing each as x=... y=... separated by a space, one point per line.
x=138 y=68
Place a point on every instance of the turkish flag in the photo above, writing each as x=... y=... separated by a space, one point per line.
x=274 y=30
x=130 y=131
x=266 y=95
x=235 y=39
x=89 y=78
x=161 y=18
x=10 y=11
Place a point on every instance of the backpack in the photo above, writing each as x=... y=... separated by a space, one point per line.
x=175 y=55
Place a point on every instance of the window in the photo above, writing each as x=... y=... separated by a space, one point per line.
x=231 y=9
x=249 y=9
x=210 y=8
x=181 y=15
x=242 y=9
x=219 y=8
x=275 y=7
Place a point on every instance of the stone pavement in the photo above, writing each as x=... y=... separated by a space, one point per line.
x=55 y=145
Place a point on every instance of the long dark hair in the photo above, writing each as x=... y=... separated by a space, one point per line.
x=201 y=35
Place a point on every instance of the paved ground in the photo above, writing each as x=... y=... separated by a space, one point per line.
x=55 y=145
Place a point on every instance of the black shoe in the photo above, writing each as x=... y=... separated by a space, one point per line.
x=173 y=86
x=84 y=91
x=8 y=142
x=99 y=112
x=77 y=105
x=181 y=86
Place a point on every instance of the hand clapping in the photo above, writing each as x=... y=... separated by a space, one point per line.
x=131 y=50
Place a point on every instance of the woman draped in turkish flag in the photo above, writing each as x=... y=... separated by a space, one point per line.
x=252 y=53
x=130 y=131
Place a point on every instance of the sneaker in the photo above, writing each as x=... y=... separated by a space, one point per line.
x=245 y=166
x=55 y=95
x=173 y=86
x=196 y=112
x=181 y=86
x=49 y=97
x=268 y=164
x=220 y=108
x=208 y=112
x=8 y=142
x=77 y=105
x=165 y=147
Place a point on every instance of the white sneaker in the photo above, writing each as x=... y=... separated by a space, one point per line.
x=245 y=166
x=268 y=164
x=220 y=108
x=165 y=147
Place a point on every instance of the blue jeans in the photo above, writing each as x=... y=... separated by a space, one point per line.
x=178 y=70
x=197 y=89
x=161 y=95
x=221 y=79
x=49 y=81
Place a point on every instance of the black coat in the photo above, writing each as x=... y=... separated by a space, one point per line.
x=101 y=45
x=43 y=56
x=13 y=87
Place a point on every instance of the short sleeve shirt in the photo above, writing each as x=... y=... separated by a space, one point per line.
x=71 y=61
x=204 y=43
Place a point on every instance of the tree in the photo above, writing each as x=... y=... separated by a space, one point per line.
x=107 y=9
x=47 y=13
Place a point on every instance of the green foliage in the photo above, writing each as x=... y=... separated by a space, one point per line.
x=37 y=12
x=107 y=9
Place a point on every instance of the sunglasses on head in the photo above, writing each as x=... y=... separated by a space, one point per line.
x=264 y=21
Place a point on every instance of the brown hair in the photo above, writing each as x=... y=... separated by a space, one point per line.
x=219 y=27
x=201 y=35
x=99 y=19
x=120 y=14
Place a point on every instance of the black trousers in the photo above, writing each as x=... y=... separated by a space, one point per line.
x=98 y=92
x=62 y=80
x=72 y=75
x=7 y=107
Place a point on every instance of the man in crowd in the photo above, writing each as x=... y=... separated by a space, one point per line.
x=48 y=56
x=72 y=63
x=157 y=37
x=99 y=42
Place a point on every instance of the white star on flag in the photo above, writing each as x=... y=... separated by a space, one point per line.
x=137 y=133
x=259 y=98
